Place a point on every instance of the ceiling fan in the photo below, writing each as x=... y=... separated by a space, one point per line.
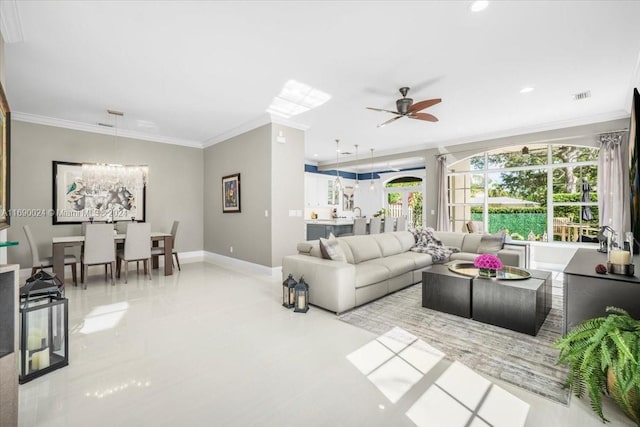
x=406 y=108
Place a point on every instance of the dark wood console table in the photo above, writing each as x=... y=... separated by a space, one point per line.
x=587 y=293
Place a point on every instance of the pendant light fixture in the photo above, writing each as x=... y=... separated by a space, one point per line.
x=372 y=186
x=337 y=185
x=357 y=182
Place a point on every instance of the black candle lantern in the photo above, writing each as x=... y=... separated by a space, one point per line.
x=301 y=296
x=288 y=287
x=44 y=343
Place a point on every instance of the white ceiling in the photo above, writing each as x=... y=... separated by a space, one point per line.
x=196 y=72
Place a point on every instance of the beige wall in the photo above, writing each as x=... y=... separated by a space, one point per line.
x=249 y=231
x=287 y=192
x=174 y=189
x=272 y=184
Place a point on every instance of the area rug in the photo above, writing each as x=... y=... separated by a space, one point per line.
x=525 y=361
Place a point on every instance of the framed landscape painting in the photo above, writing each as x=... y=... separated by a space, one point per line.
x=231 y=193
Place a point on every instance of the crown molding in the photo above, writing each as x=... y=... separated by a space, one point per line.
x=94 y=128
x=263 y=119
x=10 y=22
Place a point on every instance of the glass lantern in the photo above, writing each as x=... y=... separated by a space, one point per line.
x=301 y=297
x=288 y=292
x=44 y=319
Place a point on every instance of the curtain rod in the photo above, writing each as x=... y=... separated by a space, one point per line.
x=531 y=143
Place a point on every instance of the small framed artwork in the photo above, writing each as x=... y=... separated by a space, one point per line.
x=231 y=193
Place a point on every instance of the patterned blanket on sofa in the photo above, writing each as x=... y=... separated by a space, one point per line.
x=427 y=243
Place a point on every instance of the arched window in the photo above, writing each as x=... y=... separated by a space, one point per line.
x=539 y=192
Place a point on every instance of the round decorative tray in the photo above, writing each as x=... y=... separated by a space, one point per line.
x=507 y=272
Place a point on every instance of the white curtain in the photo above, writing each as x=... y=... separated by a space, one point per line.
x=442 y=222
x=613 y=182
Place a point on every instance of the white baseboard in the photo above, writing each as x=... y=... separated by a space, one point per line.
x=192 y=257
x=214 y=258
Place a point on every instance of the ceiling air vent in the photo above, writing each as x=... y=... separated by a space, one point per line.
x=582 y=95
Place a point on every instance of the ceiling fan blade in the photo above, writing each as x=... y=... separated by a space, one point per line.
x=383 y=110
x=423 y=104
x=390 y=120
x=423 y=116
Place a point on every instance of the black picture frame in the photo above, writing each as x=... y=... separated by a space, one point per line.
x=5 y=155
x=231 y=194
x=65 y=181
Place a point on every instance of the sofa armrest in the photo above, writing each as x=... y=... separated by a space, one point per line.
x=332 y=284
x=512 y=257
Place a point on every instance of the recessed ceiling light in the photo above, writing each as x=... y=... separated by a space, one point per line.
x=479 y=5
x=526 y=89
x=315 y=155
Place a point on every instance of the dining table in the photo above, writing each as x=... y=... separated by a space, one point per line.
x=60 y=243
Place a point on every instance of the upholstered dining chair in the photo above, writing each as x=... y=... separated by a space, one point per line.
x=388 y=224
x=374 y=225
x=47 y=262
x=136 y=248
x=401 y=224
x=360 y=226
x=99 y=248
x=160 y=251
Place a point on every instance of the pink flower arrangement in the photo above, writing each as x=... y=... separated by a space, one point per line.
x=488 y=261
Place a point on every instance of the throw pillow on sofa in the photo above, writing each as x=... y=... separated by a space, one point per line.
x=491 y=243
x=330 y=249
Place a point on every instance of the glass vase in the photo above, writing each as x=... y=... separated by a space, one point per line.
x=487 y=272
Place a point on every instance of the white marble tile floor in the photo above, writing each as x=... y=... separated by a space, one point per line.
x=213 y=346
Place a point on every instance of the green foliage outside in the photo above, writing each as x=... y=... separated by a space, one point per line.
x=415 y=198
x=523 y=220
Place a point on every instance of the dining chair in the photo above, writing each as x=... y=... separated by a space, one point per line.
x=401 y=224
x=388 y=224
x=136 y=248
x=360 y=226
x=160 y=251
x=99 y=248
x=374 y=225
x=47 y=262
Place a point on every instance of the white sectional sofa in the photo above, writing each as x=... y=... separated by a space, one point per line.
x=376 y=265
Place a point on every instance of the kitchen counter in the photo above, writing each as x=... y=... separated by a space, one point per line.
x=317 y=228
x=338 y=221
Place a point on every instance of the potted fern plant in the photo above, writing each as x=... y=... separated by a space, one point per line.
x=603 y=355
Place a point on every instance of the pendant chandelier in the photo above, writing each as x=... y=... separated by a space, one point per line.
x=357 y=182
x=107 y=178
x=372 y=186
x=337 y=185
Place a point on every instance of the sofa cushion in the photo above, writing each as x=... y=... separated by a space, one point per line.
x=464 y=256
x=491 y=243
x=363 y=248
x=471 y=243
x=389 y=245
x=406 y=239
x=311 y=247
x=397 y=264
x=370 y=272
x=419 y=260
x=450 y=239
x=330 y=249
